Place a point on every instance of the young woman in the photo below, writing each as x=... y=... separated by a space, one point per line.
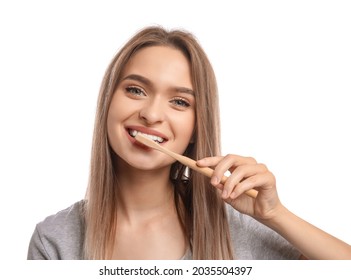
x=141 y=204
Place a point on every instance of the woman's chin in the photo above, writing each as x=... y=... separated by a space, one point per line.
x=148 y=165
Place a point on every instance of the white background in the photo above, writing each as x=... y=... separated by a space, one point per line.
x=284 y=77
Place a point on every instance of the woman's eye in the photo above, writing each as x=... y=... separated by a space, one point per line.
x=180 y=102
x=135 y=91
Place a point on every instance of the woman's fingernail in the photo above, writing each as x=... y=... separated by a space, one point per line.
x=224 y=194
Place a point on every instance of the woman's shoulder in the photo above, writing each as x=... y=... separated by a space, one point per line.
x=59 y=236
x=70 y=217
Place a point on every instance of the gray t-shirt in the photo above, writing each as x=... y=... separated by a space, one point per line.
x=60 y=236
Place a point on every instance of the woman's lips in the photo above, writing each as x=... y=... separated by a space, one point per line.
x=153 y=134
x=157 y=136
x=158 y=139
x=136 y=143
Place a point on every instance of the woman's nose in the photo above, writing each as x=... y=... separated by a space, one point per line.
x=152 y=111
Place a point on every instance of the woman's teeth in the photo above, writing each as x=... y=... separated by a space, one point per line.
x=133 y=133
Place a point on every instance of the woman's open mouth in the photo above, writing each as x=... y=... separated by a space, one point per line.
x=158 y=139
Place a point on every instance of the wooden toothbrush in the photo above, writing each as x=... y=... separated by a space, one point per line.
x=184 y=160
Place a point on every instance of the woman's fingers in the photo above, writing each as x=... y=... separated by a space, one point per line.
x=246 y=174
x=244 y=178
x=228 y=159
x=212 y=162
x=258 y=181
x=222 y=164
x=209 y=161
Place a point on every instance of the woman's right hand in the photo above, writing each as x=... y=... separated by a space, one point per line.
x=246 y=174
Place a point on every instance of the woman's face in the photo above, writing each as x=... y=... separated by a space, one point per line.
x=155 y=97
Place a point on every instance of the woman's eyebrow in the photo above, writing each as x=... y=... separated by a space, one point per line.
x=147 y=82
x=138 y=78
x=185 y=90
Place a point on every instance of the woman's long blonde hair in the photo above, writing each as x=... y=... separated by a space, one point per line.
x=200 y=209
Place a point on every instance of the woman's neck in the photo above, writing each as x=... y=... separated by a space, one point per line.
x=144 y=193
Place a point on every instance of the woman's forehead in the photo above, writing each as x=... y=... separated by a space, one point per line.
x=160 y=64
